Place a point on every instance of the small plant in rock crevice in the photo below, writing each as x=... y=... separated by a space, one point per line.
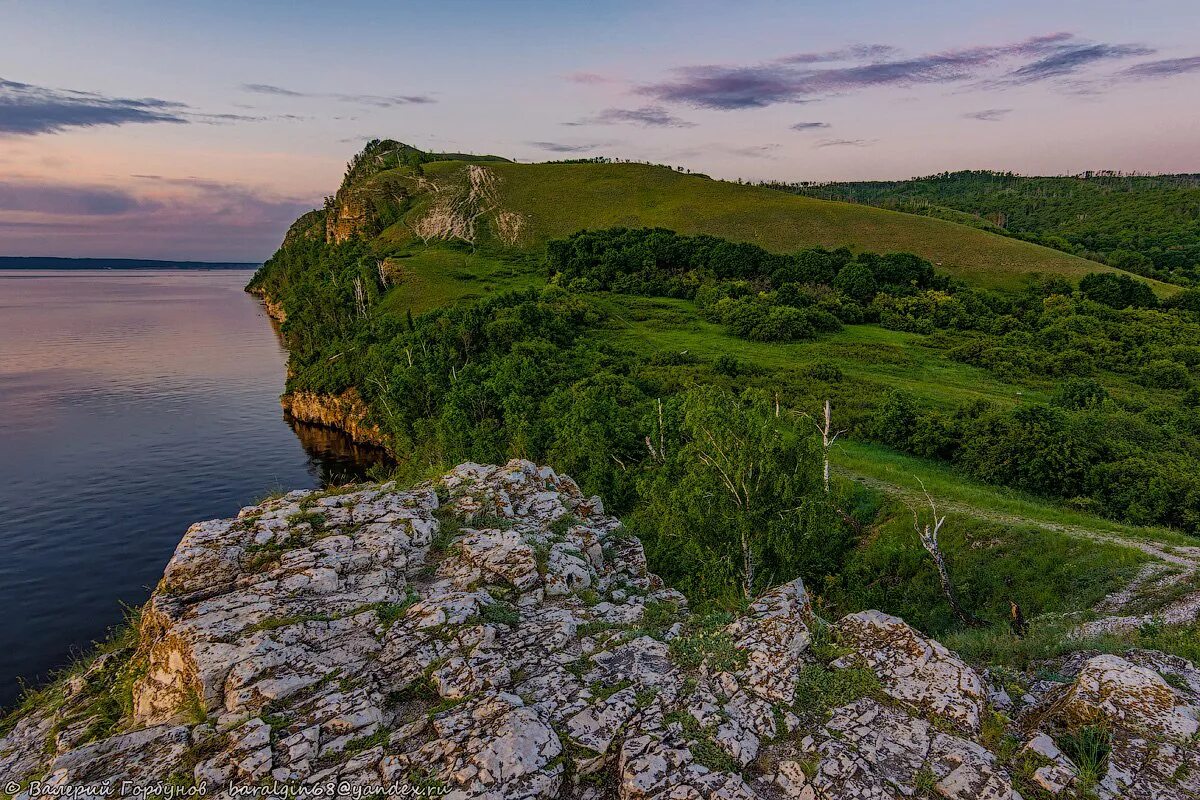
x=1089 y=748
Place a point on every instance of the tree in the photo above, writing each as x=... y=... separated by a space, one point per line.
x=828 y=437
x=732 y=502
x=413 y=159
x=928 y=533
x=857 y=281
x=1118 y=291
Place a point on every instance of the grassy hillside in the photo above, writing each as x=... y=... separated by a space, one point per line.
x=554 y=200
x=559 y=199
x=397 y=289
x=1149 y=224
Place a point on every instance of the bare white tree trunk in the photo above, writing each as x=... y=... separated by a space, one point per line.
x=360 y=296
x=747 y=567
x=828 y=437
x=928 y=534
x=660 y=453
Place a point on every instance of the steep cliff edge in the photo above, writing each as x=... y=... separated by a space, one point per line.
x=494 y=634
x=345 y=412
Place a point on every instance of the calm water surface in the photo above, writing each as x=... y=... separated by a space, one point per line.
x=132 y=403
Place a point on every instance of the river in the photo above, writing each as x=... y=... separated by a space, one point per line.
x=132 y=403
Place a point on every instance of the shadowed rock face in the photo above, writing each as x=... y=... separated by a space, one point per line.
x=495 y=634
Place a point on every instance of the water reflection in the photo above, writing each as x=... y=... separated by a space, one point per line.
x=132 y=404
x=335 y=458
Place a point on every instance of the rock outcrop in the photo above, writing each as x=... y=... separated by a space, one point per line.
x=345 y=412
x=494 y=634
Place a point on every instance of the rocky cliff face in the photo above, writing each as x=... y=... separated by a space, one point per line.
x=273 y=308
x=346 y=412
x=358 y=208
x=494 y=634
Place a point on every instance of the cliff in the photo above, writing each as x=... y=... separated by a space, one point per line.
x=494 y=634
x=345 y=412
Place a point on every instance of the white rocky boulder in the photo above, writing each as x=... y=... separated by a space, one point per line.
x=913 y=668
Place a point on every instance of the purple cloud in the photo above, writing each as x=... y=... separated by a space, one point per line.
x=646 y=116
x=853 y=52
x=376 y=100
x=1165 y=68
x=809 y=126
x=792 y=79
x=989 y=114
x=154 y=217
x=43 y=198
x=1069 y=59
x=845 y=143
x=27 y=110
x=561 y=147
x=589 y=78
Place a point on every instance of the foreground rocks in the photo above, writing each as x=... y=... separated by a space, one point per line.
x=494 y=634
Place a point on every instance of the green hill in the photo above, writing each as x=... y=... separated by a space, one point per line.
x=1149 y=224
x=523 y=205
x=560 y=199
x=455 y=307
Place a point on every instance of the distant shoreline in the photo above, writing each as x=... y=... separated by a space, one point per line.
x=47 y=262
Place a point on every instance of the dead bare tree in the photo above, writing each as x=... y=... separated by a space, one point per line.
x=828 y=437
x=360 y=296
x=659 y=454
x=928 y=533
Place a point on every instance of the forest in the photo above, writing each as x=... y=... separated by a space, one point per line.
x=719 y=476
x=1146 y=224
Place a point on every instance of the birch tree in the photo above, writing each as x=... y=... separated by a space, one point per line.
x=733 y=501
x=828 y=437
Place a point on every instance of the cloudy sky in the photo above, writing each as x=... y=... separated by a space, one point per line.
x=200 y=130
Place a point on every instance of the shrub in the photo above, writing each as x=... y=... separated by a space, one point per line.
x=1162 y=373
x=1078 y=393
x=857 y=282
x=1117 y=291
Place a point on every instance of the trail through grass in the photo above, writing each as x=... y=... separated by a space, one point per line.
x=1164 y=590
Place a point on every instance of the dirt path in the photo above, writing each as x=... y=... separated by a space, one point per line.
x=1174 y=575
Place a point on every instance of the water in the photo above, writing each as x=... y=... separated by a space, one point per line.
x=132 y=403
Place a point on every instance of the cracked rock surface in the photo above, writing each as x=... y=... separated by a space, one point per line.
x=494 y=634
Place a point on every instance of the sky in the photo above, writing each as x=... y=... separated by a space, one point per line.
x=202 y=130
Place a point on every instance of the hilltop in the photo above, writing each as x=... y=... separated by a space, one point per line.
x=399 y=195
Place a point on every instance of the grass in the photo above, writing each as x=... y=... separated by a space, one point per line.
x=1050 y=638
x=704 y=640
x=442 y=275
x=893 y=359
x=702 y=744
x=1088 y=747
x=500 y=613
x=390 y=613
x=990 y=563
x=559 y=199
x=819 y=689
x=853 y=458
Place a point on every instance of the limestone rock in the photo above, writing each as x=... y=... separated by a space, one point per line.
x=1130 y=696
x=486 y=633
x=914 y=669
